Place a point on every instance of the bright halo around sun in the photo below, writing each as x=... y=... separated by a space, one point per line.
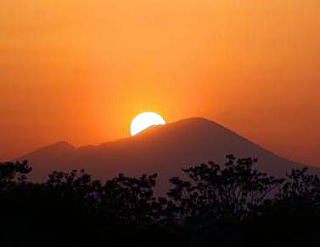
x=145 y=120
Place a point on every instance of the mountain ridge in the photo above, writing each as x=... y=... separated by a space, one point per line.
x=163 y=149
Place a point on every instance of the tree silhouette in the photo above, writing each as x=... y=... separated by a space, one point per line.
x=10 y=171
x=215 y=205
x=221 y=191
x=127 y=200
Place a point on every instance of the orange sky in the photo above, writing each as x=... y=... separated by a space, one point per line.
x=80 y=70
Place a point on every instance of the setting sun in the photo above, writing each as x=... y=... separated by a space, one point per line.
x=145 y=120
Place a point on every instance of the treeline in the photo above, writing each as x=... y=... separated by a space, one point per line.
x=216 y=205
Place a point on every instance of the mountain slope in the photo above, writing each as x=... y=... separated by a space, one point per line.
x=162 y=149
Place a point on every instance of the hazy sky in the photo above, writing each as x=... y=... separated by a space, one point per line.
x=80 y=70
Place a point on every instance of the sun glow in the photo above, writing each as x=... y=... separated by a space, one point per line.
x=145 y=120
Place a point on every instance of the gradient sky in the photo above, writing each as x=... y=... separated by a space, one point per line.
x=80 y=70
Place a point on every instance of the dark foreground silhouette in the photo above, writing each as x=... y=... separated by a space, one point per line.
x=215 y=205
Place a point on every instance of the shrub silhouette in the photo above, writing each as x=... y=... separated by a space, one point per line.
x=218 y=191
x=215 y=205
x=10 y=171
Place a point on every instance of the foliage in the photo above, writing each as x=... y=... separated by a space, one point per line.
x=215 y=205
x=215 y=191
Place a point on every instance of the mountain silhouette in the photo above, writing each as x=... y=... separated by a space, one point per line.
x=161 y=149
